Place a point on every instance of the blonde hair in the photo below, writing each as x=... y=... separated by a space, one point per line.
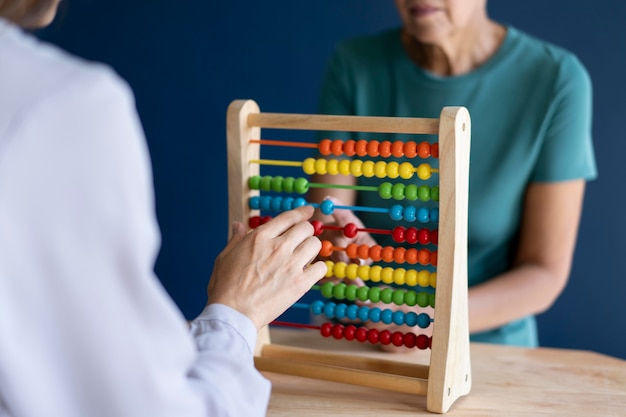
x=25 y=13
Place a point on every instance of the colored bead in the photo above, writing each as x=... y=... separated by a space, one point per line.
x=409 y=213
x=317 y=307
x=327 y=289
x=410 y=192
x=351 y=250
x=397 y=191
x=265 y=202
x=254 y=222
x=424 y=257
x=362 y=293
x=288 y=183
x=433 y=258
x=254 y=202
x=398 y=297
x=410 y=318
x=356 y=168
x=410 y=256
x=384 y=337
x=337 y=331
x=392 y=169
x=423 y=299
x=363 y=313
x=372 y=148
x=330 y=269
x=276 y=203
x=385 y=190
x=399 y=276
x=398 y=318
x=380 y=169
x=434 y=237
x=254 y=182
x=434 y=193
x=352 y=271
x=287 y=203
x=336 y=147
x=386 y=295
x=372 y=335
x=308 y=166
x=385 y=149
x=397 y=149
x=363 y=252
x=329 y=310
x=320 y=166
x=340 y=311
x=374 y=294
x=434 y=150
x=327 y=248
x=387 y=275
x=363 y=272
x=411 y=278
x=375 y=253
x=387 y=254
x=395 y=212
x=424 y=171
x=318 y=227
x=349 y=332
x=327 y=207
x=352 y=311
x=431 y=300
x=350 y=230
x=360 y=148
x=301 y=185
x=340 y=270
x=406 y=170
x=411 y=235
x=277 y=183
x=424 y=236
x=298 y=202
x=326 y=329
x=409 y=339
x=423 y=193
x=375 y=272
x=423 y=320
x=339 y=291
x=361 y=334
x=433 y=280
x=423 y=149
x=397 y=338
x=368 y=169
x=410 y=149
x=423 y=278
x=344 y=167
x=397 y=234
x=434 y=215
x=333 y=167
x=351 y=292
x=423 y=215
x=410 y=298
x=386 y=316
x=422 y=342
x=348 y=147
x=324 y=146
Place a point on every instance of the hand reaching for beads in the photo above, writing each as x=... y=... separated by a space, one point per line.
x=262 y=273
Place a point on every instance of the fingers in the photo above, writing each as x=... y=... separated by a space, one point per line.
x=286 y=220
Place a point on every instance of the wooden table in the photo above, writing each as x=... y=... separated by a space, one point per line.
x=507 y=381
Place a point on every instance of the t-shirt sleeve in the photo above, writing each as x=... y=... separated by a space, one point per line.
x=567 y=152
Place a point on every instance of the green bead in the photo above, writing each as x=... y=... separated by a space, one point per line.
x=410 y=298
x=327 y=289
x=398 y=297
x=301 y=186
x=432 y=300
x=434 y=193
x=386 y=294
x=397 y=191
x=254 y=181
x=351 y=292
x=362 y=293
x=423 y=192
x=277 y=183
x=266 y=183
x=410 y=192
x=288 y=184
x=374 y=294
x=384 y=190
x=423 y=299
x=339 y=291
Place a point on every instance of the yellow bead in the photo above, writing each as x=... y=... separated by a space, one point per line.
x=433 y=280
x=406 y=170
x=329 y=268
x=351 y=271
x=364 y=272
x=411 y=277
x=356 y=168
x=368 y=169
x=344 y=167
x=423 y=171
x=380 y=169
x=387 y=275
x=392 y=169
x=333 y=166
x=320 y=166
x=308 y=166
x=340 y=270
x=423 y=278
x=375 y=272
x=398 y=276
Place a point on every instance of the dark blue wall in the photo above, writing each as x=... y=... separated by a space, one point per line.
x=187 y=59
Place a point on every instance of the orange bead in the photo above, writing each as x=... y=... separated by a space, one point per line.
x=351 y=250
x=398 y=255
x=387 y=254
x=423 y=149
x=363 y=252
x=324 y=146
x=434 y=150
x=361 y=147
x=348 y=147
x=433 y=258
x=336 y=147
x=327 y=248
x=410 y=149
x=372 y=148
x=423 y=257
x=385 y=149
x=375 y=253
x=411 y=256
x=397 y=149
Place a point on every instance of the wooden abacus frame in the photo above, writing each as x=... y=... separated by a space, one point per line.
x=448 y=375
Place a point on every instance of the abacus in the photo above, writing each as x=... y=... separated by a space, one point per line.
x=448 y=375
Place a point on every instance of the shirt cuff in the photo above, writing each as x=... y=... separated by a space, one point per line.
x=230 y=317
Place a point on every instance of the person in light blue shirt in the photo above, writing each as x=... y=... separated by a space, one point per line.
x=531 y=151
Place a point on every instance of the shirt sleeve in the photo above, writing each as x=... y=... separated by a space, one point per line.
x=86 y=329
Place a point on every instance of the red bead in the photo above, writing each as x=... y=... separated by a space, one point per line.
x=411 y=235
x=350 y=230
x=338 y=331
x=423 y=342
x=434 y=236
x=318 y=227
x=384 y=337
x=372 y=335
x=326 y=329
x=397 y=234
x=410 y=339
x=324 y=146
x=423 y=236
x=361 y=334
x=254 y=222
x=349 y=332
x=265 y=219
x=397 y=338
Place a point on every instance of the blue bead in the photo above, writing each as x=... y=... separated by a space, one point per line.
x=363 y=313
x=423 y=320
x=329 y=310
x=423 y=215
x=352 y=311
x=409 y=213
x=386 y=316
x=410 y=318
x=265 y=202
x=374 y=314
x=287 y=203
x=276 y=203
x=395 y=212
x=340 y=310
x=434 y=215
x=316 y=307
x=327 y=207
x=298 y=202
x=398 y=318
x=254 y=202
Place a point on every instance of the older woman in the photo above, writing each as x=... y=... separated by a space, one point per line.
x=85 y=327
x=530 y=104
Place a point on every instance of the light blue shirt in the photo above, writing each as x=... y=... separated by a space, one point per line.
x=530 y=106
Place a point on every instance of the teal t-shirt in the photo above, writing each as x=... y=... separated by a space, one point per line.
x=530 y=106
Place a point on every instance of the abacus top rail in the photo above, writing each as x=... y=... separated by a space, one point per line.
x=410 y=125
